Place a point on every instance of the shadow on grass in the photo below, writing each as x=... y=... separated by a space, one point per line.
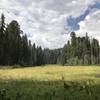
x=48 y=90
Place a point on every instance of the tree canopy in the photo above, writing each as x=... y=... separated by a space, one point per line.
x=15 y=48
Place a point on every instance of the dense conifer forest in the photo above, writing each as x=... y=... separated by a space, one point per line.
x=16 y=49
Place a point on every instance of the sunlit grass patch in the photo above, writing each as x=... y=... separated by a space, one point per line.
x=51 y=82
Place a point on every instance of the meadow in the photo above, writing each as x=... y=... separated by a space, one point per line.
x=50 y=82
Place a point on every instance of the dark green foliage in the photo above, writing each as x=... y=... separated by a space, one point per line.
x=16 y=49
x=52 y=56
x=2 y=38
x=49 y=90
x=81 y=51
x=13 y=43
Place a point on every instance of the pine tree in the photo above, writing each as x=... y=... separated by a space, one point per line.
x=13 y=46
x=2 y=39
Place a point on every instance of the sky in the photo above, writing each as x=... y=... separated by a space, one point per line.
x=49 y=22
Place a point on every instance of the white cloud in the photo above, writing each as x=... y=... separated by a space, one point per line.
x=91 y=25
x=43 y=20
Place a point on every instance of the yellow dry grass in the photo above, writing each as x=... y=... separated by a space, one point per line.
x=51 y=72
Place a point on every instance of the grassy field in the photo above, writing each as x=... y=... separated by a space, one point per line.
x=50 y=82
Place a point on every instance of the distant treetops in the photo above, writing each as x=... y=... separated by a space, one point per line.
x=81 y=51
x=17 y=49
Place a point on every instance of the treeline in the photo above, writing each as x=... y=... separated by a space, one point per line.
x=16 y=49
x=81 y=51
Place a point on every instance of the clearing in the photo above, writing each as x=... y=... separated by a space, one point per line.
x=50 y=82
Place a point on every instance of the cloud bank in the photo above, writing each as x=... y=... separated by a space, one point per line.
x=47 y=22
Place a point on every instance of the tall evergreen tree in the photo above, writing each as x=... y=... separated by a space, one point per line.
x=13 y=39
x=2 y=39
x=17 y=49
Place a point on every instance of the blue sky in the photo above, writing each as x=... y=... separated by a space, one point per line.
x=47 y=22
x=73 y=22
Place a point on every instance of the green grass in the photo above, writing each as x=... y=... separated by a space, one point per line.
x=50 y=82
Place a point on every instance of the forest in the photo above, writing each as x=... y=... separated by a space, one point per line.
x=30 y=72
x=16 y=49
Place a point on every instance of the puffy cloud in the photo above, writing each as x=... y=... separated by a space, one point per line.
x=91 y=24
x=73 y=22
x=43 y=20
